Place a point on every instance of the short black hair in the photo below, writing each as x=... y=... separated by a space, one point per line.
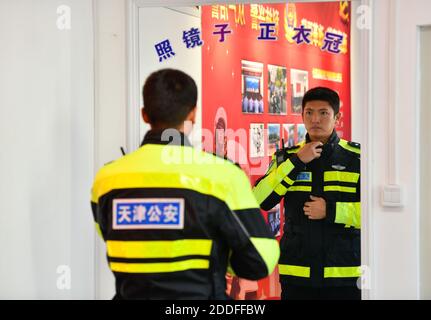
x=169 y=96
x=324 y=94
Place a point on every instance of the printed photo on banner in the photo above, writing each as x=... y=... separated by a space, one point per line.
x=220 y=126
x=257 y=142
x=273 y=138
x=301 y=132
x=289 y=135
x=298 y=86
x=252 y=87
x=277 y=87
x=274 y=220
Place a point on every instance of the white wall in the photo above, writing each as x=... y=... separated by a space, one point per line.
x=110 y=108
x=395 y=145
x=176 y=20
x=425 y=156
x=46 y=162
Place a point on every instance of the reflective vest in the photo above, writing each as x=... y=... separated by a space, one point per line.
x=175 y=218
x=317 y=252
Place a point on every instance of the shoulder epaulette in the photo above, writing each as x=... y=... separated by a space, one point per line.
x=350 y=146
x=354 y=144
x=292 y=149
x=281 y=155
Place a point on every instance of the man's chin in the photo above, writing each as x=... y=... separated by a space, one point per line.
x=315 y=137
x=315 y=133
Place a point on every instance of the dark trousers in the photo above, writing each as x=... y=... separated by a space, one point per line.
x=293 y=292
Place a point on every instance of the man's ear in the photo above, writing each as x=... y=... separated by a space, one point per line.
x=145 y=116
x=192 y=115
x=337 y=117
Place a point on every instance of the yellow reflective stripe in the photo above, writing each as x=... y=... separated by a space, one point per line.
x=300 y=188
x=158 y=249
x=158 y=267
x=280 y=190
x=343 y=143
x=340 y=189
x=284 y=169
x=342 y=272
x=348 y=213
x=352 y=177
x=159 y=166
x=288 y=180
x=297 y=271
x=269 y=250
x=272 y=182
x=263 y=189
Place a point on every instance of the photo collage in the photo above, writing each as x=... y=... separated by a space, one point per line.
x=266 y=137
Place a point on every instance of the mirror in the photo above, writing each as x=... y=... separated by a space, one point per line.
x=252 y=64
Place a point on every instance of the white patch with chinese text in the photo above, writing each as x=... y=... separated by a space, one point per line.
x=151 y=213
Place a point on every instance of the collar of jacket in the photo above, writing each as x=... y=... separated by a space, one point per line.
x=166 y=136
x=329 y=146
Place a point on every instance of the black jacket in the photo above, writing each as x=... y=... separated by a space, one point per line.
x=317 y=252
x=175 y=218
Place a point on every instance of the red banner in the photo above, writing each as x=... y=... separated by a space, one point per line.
x=254 y=87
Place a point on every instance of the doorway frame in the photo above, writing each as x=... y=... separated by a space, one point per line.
x=361 y=96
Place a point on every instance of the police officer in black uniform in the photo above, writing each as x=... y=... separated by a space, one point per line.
x=175 y=218
x=319 y=180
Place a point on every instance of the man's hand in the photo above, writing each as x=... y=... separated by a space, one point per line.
x=315 y=209
x=310 y=151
